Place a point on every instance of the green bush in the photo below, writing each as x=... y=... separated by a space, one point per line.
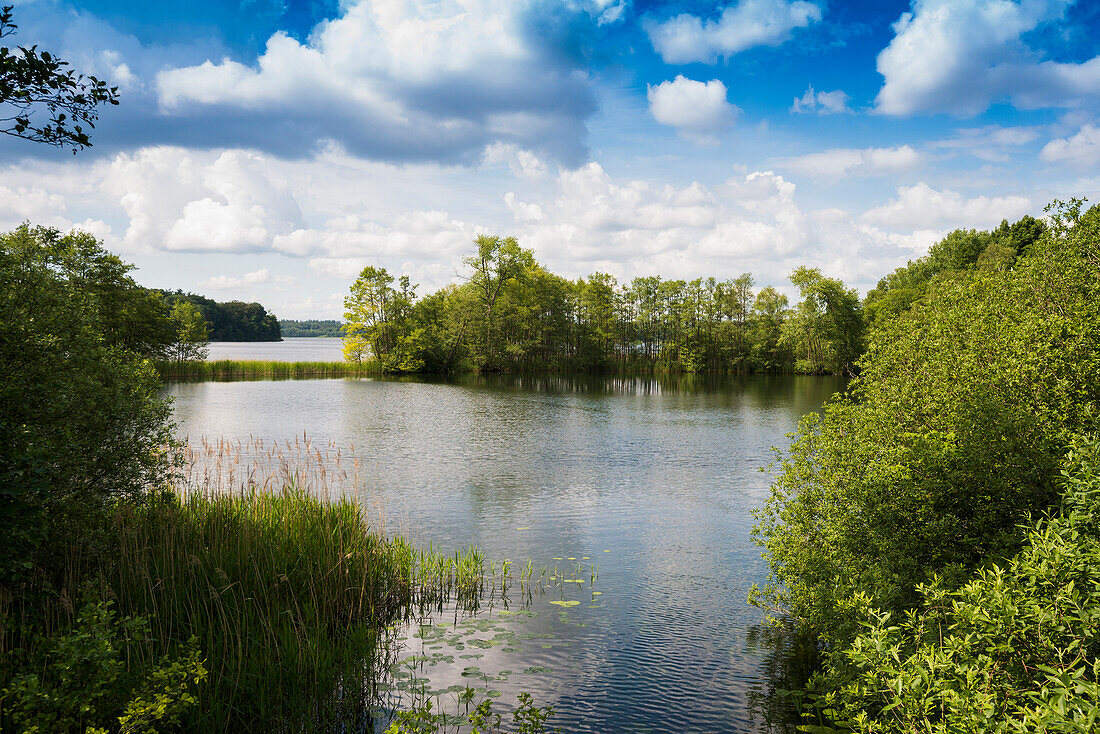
x=1016 y=649
x=951 y=437
x=100 y=676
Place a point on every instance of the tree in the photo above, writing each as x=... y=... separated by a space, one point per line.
x=367 y=313
x=497 y=261
x=768 y=311
x=83 y=424
x=127 y=316
x=35 y=83
x=192 y=334
x=949 y=440
x=826 y=329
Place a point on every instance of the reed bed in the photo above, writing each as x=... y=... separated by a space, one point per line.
x=259 y=553
x=232 y=369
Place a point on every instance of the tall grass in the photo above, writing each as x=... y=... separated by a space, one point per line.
x=285 y=584
x=231 y=369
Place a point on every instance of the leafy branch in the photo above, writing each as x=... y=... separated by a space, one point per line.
x=42 y=99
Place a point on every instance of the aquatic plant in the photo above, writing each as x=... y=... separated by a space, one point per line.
x=235 y=369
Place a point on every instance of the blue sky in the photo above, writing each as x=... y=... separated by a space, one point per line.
x=269 y=150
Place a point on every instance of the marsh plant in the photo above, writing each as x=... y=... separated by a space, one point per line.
x=253 y=593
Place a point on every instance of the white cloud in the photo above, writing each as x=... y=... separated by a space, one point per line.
x=256 y=277
x=741 y=26
x=961 y=56
x=221 y=202
x=921 y=207
x=698 y=110
x=523 y=212
x=841 y=162
x=1082 y=149
x=751 y=222
x=523 y=163
x=315 y=220
x=989 y=142
x=394 y=80
x=823 y=103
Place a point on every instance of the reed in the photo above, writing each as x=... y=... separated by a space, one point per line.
x=231 y=369
x=257 y=552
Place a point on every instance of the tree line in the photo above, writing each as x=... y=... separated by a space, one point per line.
x=511 y=314
x=311 y=327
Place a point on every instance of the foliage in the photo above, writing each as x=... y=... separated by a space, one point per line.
x=34 y=82
x=83 y=424
x=513 y=315
x=231 y=321
x=99 y=677
x=192 y=335
x=949 y=439
x=959 y=251
x=1016 y=649
x=827 y=326
x=310 y=327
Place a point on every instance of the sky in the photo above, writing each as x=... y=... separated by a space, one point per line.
x=270 y=149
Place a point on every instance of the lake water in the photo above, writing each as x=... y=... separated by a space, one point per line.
x=650 y=481
x=292 y=349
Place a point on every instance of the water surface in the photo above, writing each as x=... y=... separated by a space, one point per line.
x=291 y=349
x=651 y=481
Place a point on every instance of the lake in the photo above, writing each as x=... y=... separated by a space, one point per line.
x=648 y=482
x=291 y=349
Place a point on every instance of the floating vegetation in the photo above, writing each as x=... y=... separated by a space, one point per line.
x=564 y=603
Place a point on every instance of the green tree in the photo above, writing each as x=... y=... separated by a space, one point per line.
x=83 y=425
x=497 y=261
x=769 y=310
x=35 y=83
x=192 y=334
x=367 y=312
x=825 y=330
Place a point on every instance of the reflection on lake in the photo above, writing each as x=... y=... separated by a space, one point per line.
x=650 y=480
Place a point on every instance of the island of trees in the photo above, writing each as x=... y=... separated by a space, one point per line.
x=510 y=314
x=230 y=321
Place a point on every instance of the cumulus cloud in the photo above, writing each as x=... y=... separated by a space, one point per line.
x=961 y=56
x=841 y=162
x=1082 y=149
x=822 y=103
x=192 y=202
x=698 y=110
x=398 y=81
x=256 y=277
x=922 y=207
x=751 y=222
x=743 y=25
x=308 y=219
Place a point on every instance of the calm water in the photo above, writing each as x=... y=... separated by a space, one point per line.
x=292 y=349
x=651 y=481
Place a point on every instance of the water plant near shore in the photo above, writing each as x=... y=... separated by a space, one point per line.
x=234 y=369
x=256 y=557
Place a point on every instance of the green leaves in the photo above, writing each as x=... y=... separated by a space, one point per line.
x=899 y=528
x=98 y=675
x=48 y=102
x=1013 y=650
